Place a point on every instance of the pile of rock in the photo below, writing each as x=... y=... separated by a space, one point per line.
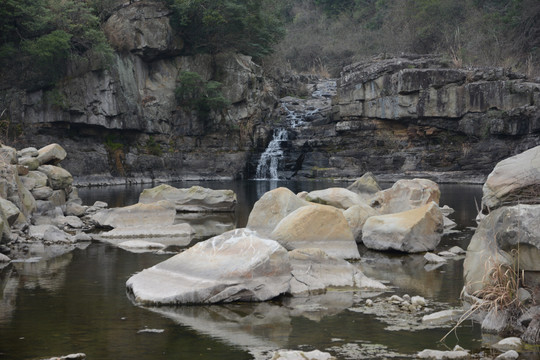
x=37 y=199
x=507 y=241
x=297 y=244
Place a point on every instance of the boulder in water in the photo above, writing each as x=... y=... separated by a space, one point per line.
x=194 y=199
x=271 y=208
x=159 y=213
x=337 y=197
x=411 y=231
x=406 y=195
x=51 y=154
x=366 y=185
x=317 y=226
x=513 y=181
x=235 y=266
x=356 y=217
x=58 y=178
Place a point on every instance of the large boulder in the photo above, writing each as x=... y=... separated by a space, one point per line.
x=337 y=197
x=365 y=185
x=51 y=154
x=271 y=208
x=313 y=271
x=513 y=181
x=356 y=216
x=194 y=199
x=11 y=212
x=406 y=195
x=167 y=235
x=411 y=231
x=8 y=155
x=508 y=236
x=235 y=266
x=58 y=178
x=159 y=213
x=317 y=226
x=15 y=191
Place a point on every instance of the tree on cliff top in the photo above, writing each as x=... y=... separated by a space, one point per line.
x=213 y=26
x=38 y=36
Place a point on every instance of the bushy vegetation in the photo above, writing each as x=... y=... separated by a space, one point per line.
x=334 y=33
x=250 y=27
x=195 y=93
x=37 y=37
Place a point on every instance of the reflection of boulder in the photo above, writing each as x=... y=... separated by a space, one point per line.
x=235 y=266
x=9 y=284
x=317 y=307
x=404 y=272
x=247 y=325
x=47 y=273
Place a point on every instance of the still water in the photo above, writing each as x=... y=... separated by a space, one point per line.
x=76 y=301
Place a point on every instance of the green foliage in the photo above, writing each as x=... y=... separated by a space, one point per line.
x=112 y=144
x=197 y=94
x=56 y=99
x=152 y=147
x=213 y=26
x=37 y=37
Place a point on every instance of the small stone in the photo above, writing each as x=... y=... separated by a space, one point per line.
x=457 y=250
x=509 y=355
x=418 y=301
x=434 y=258
x=4 y=258
x=524 y=295
x=369 y=302
x=81 y=237
x=510 y=343
x=406 y=297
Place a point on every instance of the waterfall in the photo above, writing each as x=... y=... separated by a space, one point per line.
x=268 y=165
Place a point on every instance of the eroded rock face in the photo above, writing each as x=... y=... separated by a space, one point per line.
x=235 y=266
x=513 y=181
x=505 y=235
x=143 y=28
x=194 y=199
x=415 y=230
x=271 y=208
x=317 y=226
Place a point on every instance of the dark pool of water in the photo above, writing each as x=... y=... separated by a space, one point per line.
x=76 y=302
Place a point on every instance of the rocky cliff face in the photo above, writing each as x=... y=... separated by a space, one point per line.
x=418 y=116
x=393 y=117
x=125 y=120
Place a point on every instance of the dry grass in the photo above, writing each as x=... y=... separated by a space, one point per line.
x=500 y=291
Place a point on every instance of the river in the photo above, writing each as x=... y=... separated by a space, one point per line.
x=76 y=302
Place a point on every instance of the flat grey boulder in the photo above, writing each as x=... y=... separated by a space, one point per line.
x=301 y=355
x=513 y=181
x=58 y=178
x=406 y=195
x=411 y=231
x=169 y=235
x=138 y=246
x=194 y=199
x=357 y=216
x=235 y=266
x=157 y=213
x=271 y=208
x=317 y=226
x=313 y=271
x=337 y=197
x=51 y=154
x=443 y=354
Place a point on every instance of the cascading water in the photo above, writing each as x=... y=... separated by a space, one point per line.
x=268 y=165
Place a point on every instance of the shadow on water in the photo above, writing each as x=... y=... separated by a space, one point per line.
x=76 y=302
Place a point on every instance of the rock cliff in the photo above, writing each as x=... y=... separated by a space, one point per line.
x=413 y=115
x=394 y=117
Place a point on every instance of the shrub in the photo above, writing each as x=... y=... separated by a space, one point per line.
x=198 y=94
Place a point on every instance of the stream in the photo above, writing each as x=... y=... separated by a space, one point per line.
x=76 y=302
